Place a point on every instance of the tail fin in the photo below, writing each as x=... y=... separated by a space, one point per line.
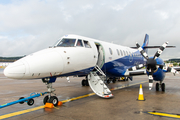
x=146 y=42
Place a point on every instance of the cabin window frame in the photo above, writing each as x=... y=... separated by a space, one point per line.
x=82 y=45
x=66 y=44
x=124 y=52
x=118 y=52
x=88 y=45
x=110 y=51
x=121 y=52
x=127 y=53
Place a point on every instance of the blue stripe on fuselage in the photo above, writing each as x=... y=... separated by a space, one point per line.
x=115 y=68
x=118 y=67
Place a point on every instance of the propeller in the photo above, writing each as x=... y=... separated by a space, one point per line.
x=143 y=53
x=151 y=63
x=160 y=50
x=136 y=67
x=170 y=69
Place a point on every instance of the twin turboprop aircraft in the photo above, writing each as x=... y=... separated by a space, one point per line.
x=99 y=61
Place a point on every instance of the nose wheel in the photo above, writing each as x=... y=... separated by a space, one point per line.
x=160 y=85
x=49 y=98
x=85 y=82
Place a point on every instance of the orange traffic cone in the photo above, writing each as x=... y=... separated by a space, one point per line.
x=141 y=97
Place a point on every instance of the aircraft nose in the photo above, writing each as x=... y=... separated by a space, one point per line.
x=15 y=70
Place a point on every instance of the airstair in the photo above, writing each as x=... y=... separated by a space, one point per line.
x=96 y=81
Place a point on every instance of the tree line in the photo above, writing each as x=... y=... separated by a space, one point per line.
x=10 y=59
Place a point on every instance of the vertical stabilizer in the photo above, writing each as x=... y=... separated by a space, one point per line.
x=146 y=42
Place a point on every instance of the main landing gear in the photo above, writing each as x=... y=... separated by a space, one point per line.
x=49 y=98
x=113 y=79
x=160 y=85
x=85 y=82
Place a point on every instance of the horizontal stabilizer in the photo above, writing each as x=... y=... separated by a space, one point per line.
x=154 y=47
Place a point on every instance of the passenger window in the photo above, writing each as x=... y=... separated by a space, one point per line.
x=121 y=53
x=127 y=53
x=124 y=53
x=86 y=44
x=66 y=43
x=110 y=50
x=79 y=43
x=117 y=51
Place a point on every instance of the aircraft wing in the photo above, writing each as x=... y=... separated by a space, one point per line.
x=177 y=68
x=135 y=72
x=143 y=71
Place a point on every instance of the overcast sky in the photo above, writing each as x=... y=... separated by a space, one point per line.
x=27 y=26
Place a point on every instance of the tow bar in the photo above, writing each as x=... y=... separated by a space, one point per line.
x=29 y=100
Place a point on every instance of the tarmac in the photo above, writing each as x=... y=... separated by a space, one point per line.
x=123 y=106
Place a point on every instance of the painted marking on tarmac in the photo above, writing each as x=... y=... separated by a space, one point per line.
x=64 y=101
x=20 y=112
x=169 y=115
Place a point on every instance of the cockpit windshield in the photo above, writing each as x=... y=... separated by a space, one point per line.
x=65 y=42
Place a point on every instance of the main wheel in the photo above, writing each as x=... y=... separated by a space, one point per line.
x=119 y=79
x=83 y=82
x=108 y=81
x=114 y=80
x=54 y=100
x=157 y=86
x=30 y=102
x=20 y=99
x=46 y=99
x=163 y=87
x=87 y=84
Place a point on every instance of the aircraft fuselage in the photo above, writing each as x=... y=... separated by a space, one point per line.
x=75 y=60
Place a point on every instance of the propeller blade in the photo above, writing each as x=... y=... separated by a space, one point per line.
x=136 y=67
x=160 y=50
x=143 y=53
x=170 y=69
x=150 y=82
x=151 y=78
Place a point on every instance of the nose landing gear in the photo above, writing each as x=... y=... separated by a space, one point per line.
x=85 y=82
x=49 y=98
x=160 y=85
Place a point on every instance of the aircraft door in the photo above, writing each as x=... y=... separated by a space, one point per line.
x=95 y=80
x=101 y=55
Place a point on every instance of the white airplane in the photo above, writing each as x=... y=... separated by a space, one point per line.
x=75 y=55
